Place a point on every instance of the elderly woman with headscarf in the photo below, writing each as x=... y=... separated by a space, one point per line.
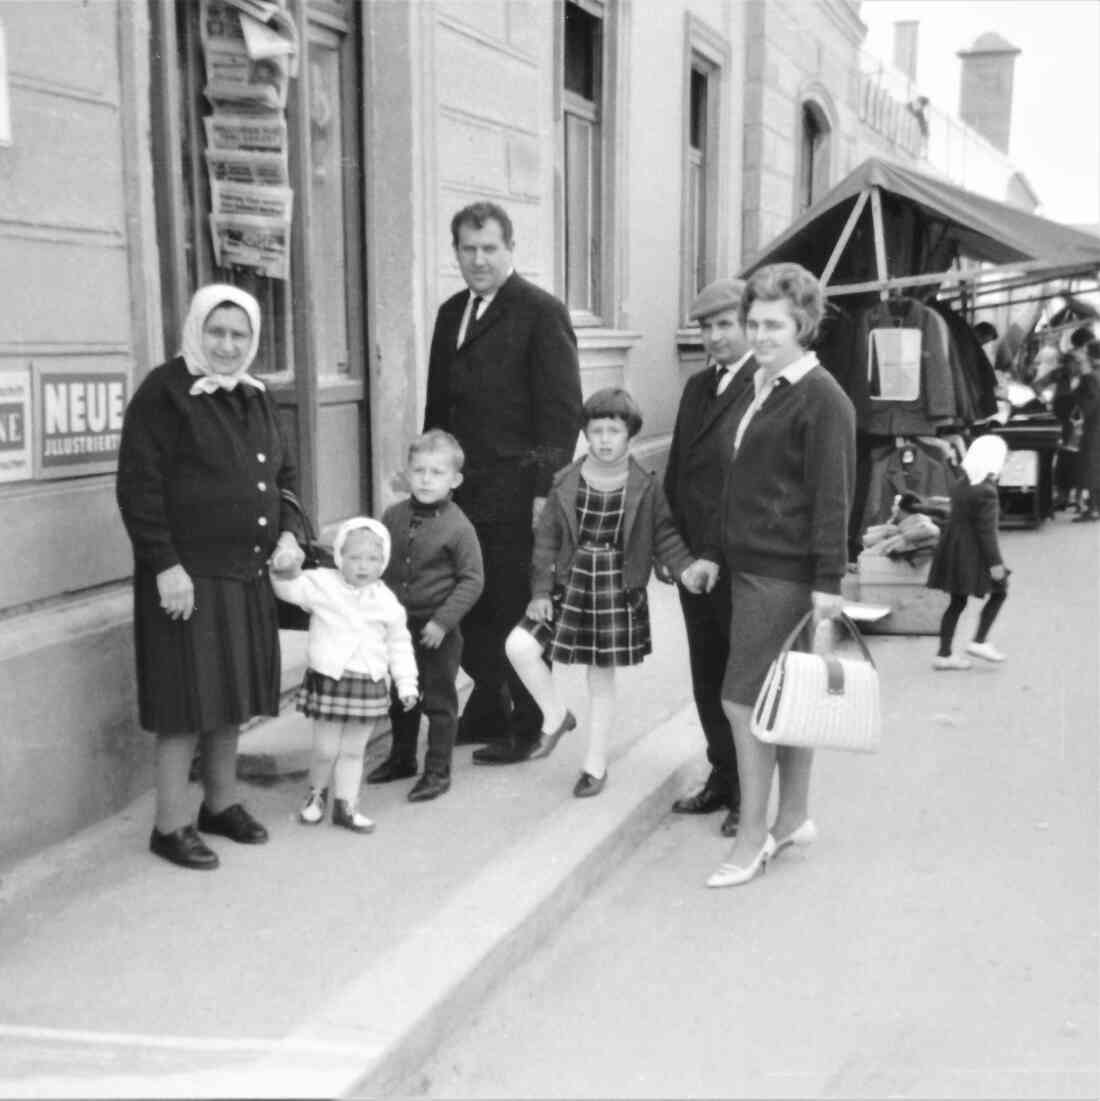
x=968 y=557
x=201 y=467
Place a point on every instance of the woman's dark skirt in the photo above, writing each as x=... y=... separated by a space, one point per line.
x=219 y=668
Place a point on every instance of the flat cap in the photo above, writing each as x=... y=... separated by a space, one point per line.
x=722 y=294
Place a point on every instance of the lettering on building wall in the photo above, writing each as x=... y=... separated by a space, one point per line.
x=80 y=415
x=16 y=454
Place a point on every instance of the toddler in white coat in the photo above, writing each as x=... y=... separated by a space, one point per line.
x=358 y=641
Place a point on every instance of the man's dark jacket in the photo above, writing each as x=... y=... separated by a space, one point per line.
x=702 y=447
x=511 y=395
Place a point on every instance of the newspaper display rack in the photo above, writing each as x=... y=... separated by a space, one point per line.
x=250 y=52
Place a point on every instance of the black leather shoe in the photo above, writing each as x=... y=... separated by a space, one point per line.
x=185 y=848
x=429 y=786
x=712 y=796
x=508 y=752
x=587 y=784
x=389 y=770
x=235 y=823
x=731 y=822
x=548 y=741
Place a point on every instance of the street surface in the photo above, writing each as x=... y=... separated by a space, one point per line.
x=939 y=940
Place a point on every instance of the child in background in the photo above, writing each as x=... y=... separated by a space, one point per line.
x=436 y=571
x=604 y=521
x=357 y=640
x=968 y=559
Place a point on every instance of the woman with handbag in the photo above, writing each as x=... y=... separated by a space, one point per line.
x=782 y=529
x=201 y=465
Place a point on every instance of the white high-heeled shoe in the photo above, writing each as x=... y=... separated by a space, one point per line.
x=806 y=834
x=733 y=875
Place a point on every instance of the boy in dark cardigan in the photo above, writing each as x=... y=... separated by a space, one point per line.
x=436 y=570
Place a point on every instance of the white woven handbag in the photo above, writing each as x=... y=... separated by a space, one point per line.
x=820 y=701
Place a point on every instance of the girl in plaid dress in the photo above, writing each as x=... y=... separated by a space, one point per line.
x=604 y=522
x=358 y=639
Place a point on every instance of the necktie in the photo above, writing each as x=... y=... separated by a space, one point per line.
x=472 y=323
x=719 y=375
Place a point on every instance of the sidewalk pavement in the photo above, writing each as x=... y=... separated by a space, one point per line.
x=323 y=963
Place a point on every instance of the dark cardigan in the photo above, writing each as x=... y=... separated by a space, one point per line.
x=648 y=531
x=199 y=477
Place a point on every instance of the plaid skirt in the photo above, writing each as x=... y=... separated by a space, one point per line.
x=596 y=620
x=355 y=697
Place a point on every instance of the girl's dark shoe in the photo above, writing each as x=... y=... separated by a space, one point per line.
x=587 y=784
x=391 y=769
x=344 y=814
x=430 y=786
x=235 y=823
x=548 y=742
x=185 y=848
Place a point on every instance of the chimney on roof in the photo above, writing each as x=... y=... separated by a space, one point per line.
x=985 y=91
x=905 y=47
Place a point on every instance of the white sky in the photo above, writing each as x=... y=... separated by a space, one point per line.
x=1055 y=139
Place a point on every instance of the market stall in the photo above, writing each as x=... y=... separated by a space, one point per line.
x=908 y=261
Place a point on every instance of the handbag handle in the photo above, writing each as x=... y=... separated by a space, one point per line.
x=291 y=499
x=853 y=630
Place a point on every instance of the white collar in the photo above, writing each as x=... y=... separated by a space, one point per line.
x=734 y=367
x=792 y=373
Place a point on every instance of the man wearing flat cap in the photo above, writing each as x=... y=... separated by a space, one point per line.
x=702 y=443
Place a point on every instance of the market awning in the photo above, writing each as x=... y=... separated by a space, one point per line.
x=926 y=225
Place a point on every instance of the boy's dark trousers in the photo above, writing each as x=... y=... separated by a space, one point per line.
x=438 y=700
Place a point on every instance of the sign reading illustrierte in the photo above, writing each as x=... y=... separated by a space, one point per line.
x=16 y=454
x=79 y=417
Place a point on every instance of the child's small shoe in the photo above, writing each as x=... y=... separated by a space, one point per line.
x=548 y=740
x=348 y=816
x=313 y=809
x=950 y=662
x=985 y=650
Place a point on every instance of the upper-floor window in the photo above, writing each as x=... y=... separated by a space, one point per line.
x=813 y=166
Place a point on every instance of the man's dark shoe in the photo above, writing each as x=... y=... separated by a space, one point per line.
x=235 y=823
x=429 y=786
x=185 y=848
x=712 y=796
x=389 y=770
x=508 y=752
x=731 y=822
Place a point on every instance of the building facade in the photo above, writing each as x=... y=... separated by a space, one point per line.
x=642 y=149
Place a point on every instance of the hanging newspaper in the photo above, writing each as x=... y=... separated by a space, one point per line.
x=260 y=202
x=262 y=169
x=247 y=59
x=264 y=132
x=252 y=242
x=232 y=78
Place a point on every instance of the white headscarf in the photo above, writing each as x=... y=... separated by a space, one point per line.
x=361 y=523
x=206 y=300
x=985 y=456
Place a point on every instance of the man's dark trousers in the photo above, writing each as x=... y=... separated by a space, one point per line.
x=707 y=623
x=499 y=704
x=438 y=700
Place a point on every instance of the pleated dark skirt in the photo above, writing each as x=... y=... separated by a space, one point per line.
x=221 y=667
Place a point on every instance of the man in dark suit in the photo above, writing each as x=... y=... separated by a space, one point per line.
x=702 y=444
x=503 y=377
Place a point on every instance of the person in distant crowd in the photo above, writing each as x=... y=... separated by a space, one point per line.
x=504 y=379
x=1064 y=379
x=697 y=461
x=604 y=523
x=1087 y=397
x=201 y=467
x=436 y=571
x=782 y=525
x=968 y=556
x=358 y=641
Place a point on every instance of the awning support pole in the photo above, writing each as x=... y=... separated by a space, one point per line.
x=880 y=239
x=845 y=236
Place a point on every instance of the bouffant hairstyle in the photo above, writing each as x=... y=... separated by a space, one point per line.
x=614 y=401
x=435 y=439
x=476 y=215
x=793 y=284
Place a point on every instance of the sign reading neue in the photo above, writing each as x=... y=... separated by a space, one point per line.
x=79 y=414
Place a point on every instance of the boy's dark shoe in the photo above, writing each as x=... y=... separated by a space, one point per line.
x=183 y=847
x=732 y=821
x=391 y=769
x=235 y=823
x=712 y=796
x=509 y=751
x=430 y=786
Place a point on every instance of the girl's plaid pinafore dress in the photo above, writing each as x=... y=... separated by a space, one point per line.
x=596 y=621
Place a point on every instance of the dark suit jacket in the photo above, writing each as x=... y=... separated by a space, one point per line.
x=511 y=395
x=702 y=446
